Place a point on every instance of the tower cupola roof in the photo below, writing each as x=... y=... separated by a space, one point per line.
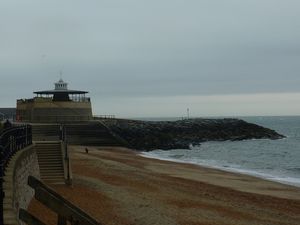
x=60 y=87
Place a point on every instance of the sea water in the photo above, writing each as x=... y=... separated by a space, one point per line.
x=277 y=160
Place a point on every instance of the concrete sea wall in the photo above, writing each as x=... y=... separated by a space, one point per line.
x=17 y=193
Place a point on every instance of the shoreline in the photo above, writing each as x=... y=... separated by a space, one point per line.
x=224 y=178
x=118 y=186
x=251 y=173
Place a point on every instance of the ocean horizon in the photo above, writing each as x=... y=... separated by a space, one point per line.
x=275 y=160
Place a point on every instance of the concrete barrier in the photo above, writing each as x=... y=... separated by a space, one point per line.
x=17 y=193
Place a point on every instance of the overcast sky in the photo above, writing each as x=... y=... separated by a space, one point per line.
x=156 y=58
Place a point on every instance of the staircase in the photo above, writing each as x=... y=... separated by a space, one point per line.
x=45 y=132
x=91 y=133
x=86 y=133
x=50 y=160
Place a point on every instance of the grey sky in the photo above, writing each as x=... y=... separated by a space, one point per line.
x=149 y=52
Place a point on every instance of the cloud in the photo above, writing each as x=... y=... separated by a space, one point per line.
x=151 y=48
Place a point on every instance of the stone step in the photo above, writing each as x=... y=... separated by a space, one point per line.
x=60 y=171
x=48 y=143
x=51 y=143
x=52 y=169
x=40 y=134
x=53 y=177
x=11 y=221
x=9 y=216
x=52 y=165
x=50 y=153
x=48 y=146
x=49 y=149
x=44 y=139
x=57 y=178
x=59 y=154
x=50 y=160
x=54 y=180
x=44 y=150
x=42 y=157
x=49 y=177
x=7 y=206
x=45 y=131
x=49 y=168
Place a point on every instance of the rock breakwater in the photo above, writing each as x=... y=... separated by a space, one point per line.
x=150 y=135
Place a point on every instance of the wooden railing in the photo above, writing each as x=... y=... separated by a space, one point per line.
x=66 y=211
x=12 y=140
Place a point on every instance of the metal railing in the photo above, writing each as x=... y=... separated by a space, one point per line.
x=12 y=140
x=66 y=158
x=100 y=117
x=59 y=118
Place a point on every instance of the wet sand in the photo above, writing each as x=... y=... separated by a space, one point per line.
x=118 y=186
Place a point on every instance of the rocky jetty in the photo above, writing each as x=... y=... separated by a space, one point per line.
x=149 y=135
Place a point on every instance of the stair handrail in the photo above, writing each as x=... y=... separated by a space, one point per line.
x=66 y=158
x=116 y=136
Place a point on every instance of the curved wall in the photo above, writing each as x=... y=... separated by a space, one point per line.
x=51 y=112
x=17 y=193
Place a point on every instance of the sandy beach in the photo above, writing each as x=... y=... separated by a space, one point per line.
x=118 y=186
